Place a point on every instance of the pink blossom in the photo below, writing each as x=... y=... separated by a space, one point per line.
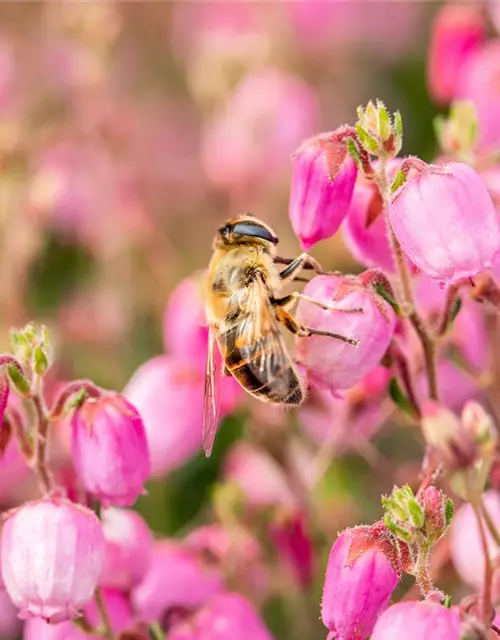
x=457 y=34
x=460 y=242
x=176 y=578
x=128 y=548
x=332 y=363
x=319 y=200
x=117 y=606
x=417 y=621
x=226 y=616
x=250 y=141
x=358 y=585
x=466 y=550
x=293 y=542
x=260 y=478
x=10 y=625
x=110 y=450
x=479 y=83
x=169 y=396
x=51 y=575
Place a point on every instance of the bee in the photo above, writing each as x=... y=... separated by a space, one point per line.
x=245 y=312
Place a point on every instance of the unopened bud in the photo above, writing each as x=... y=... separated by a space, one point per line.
x=480 y=426
x=379 y=133
x=404 y=516
x=438 y=512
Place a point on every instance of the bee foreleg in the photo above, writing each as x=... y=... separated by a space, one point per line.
x=304 y=261
x=293 y=297
x=300 y=330
x=227 y=372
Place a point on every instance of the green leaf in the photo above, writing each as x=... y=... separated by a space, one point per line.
x=353 y=152
x=449 y=510
x=398 y=181
x=402 y=534
x=416 y=513
x=18 y=380
x=40 y=361
x=368 y=142
x=455 y=310
x=398 y=126
x=384 y=125
x=399 y=398
x=383 y=293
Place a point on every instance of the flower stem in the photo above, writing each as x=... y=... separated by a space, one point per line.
x=495 y=534
x=488 y=570
x=421 y=571
x=39 y=462
x=107 y=631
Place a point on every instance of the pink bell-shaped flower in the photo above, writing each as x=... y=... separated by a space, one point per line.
x=52 y=556
x=10 y=625
x=417 y=621
x=332 y=363
x=360 y=578
x=129 y=543
x=323 y=181
x=445 y=220
x=110 y=450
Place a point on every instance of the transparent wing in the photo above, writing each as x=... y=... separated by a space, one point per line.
x=212 y=387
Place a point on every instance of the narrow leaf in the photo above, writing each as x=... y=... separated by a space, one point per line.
x=383 y=293
x=398 y=181
x=368 y=142
x=399 y=398
x=18 y=380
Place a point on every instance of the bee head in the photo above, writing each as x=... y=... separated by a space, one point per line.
x=246 y=230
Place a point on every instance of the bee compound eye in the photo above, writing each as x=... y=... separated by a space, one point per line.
x=255 y=230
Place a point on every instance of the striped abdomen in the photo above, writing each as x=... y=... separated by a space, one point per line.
x=261 y=365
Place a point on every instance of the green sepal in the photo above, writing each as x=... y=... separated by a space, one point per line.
x=18 y=380
x=399 y=398
x=398 y=181
x=383 y=293
x=368 y=142
x=384 y=125
x=449 y=510
x=40 y=361
x=402 y=534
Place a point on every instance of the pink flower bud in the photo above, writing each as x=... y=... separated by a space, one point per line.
x=457 y=33
x=10 y=625
x=358 y=585
x=332 y=363
x=128 y=548
x=417 y=621
x=460 y=242
x=364 y=229
x=110 y=450
x=51 y=575
x=478 y=84
x=465 y=542
x=226 y=616
x=185 y=330
x=117 y=606
x=260 y=478
x=294 y=545
x=176 y=578
x=323 y=181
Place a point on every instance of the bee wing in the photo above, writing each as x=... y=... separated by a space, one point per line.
x=211 y=400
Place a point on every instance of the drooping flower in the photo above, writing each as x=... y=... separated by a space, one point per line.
x=226 y=616
x=129 y=542
x=417 y=621
x=110 y=450
x=176 y=578
x=457 y=33
x=118 y=608
x=323 y=181
x=332 y=363
x=460 y=242
x=55 y=574
x=359 y=582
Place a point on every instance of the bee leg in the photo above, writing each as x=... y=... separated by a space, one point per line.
x=300 y=330
x=226 y=372
x=304 y=261
x=293 y=297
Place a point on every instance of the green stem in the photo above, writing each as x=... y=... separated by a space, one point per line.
x=107 y=630
x=488 y=570
x=421 y=571
x=39 y=462
x=495 y=534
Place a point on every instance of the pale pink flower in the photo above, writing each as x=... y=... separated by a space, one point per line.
x=466 y=550
x=176 y=578
x=225 y=617
x=110 y=450
x=320 y=194
x=460 y=242
x=457 y=33
x=129 y=542
x=117 y=606
x=52 y=556
x=417 y=621
x=358 y=585
x=10 y=625
x=249 y=142
x=332 y=363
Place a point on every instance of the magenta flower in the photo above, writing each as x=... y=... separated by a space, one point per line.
x=479 y=83
x=364 y=228
x=110 y=450
x=465 y=542
x=331 y=363
x=128 y=548
x=323 y=181
x=417 y=621
x=51 y=575
x=259 y=477
x=10 y=625
x=359 y=582
x=293 y=543
x=176 y=578
x=457 y=34
x=460 y=242
x=226 y=616
x=117 y=606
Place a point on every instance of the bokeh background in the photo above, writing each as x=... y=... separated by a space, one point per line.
x=129 y=131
